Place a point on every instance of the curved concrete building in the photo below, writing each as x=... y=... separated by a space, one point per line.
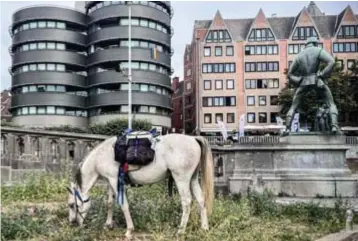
x=108 y=48
x=64 y=61
x=48 y=67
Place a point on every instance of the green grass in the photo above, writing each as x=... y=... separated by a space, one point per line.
x=256 y=217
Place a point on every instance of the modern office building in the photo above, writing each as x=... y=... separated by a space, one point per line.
x=49 y=67
x=237 y=66
x=64 y=63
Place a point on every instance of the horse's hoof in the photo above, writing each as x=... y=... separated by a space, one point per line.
x=108 y=226
x=181 y=231
x=205 y=228
x=129 y=235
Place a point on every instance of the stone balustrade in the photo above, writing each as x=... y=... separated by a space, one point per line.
x=24 y=151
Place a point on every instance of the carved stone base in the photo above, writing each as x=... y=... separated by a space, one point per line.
x=299 y=166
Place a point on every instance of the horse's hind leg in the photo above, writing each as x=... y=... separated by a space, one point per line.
x=198 y=194
x=183 y=185
x=110 y=202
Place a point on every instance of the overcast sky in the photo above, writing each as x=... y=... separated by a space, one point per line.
x=185 y=13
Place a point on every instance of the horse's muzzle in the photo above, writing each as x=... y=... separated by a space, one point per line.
x=74 y=223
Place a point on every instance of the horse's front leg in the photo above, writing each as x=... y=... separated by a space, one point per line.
x=127 y=215
x=110 y=204
x=125 y=209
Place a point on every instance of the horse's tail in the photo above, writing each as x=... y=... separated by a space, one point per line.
x=207 y=172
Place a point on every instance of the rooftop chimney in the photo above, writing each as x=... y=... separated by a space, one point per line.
x=274 y=15
x=175 y=83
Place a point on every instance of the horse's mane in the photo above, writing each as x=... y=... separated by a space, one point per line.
x=78 y=175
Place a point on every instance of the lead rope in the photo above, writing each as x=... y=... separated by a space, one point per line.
x=77 y=194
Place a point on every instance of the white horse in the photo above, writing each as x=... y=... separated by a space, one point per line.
x=177 y=153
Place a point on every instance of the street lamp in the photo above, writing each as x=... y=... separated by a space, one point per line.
x=130 y=65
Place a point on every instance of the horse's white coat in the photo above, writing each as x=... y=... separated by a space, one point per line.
x=180 y=154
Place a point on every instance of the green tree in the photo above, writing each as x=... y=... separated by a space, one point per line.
x=110 y=128
x=344 y=88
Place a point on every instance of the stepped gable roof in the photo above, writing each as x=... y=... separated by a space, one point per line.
x=313 y=10
x=282 y=26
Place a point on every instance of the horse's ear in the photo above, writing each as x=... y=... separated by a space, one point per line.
x=69 y=189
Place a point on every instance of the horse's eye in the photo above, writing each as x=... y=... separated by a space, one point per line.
x=71 y=205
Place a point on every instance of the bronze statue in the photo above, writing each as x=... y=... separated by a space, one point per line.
x=304 y=72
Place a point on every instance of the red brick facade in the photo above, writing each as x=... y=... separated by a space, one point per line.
x=177 y=105
x=287 y=35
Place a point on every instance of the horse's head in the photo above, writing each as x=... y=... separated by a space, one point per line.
x=78 y=205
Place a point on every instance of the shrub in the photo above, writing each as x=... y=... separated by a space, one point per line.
x=111 y=128
x=66 y=128
x=263 y=204
x=117 y=126
x=8 y=124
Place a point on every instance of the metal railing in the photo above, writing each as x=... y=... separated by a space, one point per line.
x=215 y=140
x=47 y=5
x=264 y=140
x=171 y=12
x=10 y=50
x=352 y=140
x=10 y=31
x=171 y=31
x=269 y=140
x=171 y=51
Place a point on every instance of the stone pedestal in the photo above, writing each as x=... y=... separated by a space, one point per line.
x=301 y=165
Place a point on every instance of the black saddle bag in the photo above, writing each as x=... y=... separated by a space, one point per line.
x=120 y=149
x=139 y=151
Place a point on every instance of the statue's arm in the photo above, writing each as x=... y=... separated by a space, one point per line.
x=293 y=68
x=327 y=58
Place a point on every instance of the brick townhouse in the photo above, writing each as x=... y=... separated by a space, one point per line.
x=177 y=105
x=236 y=66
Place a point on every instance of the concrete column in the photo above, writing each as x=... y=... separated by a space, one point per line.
x=16 y=145
x=78 y=151
x=28 y=144
x=11 y=144
x=35 y=146
x=63 y=148
x=45 y=149
x=5 y=160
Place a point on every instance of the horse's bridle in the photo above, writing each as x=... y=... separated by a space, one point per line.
x=77 y=194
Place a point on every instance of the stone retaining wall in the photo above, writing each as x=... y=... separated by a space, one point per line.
x=28 y=151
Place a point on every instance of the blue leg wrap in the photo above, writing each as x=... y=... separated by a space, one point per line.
x=136 y=147
x=120 y=187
